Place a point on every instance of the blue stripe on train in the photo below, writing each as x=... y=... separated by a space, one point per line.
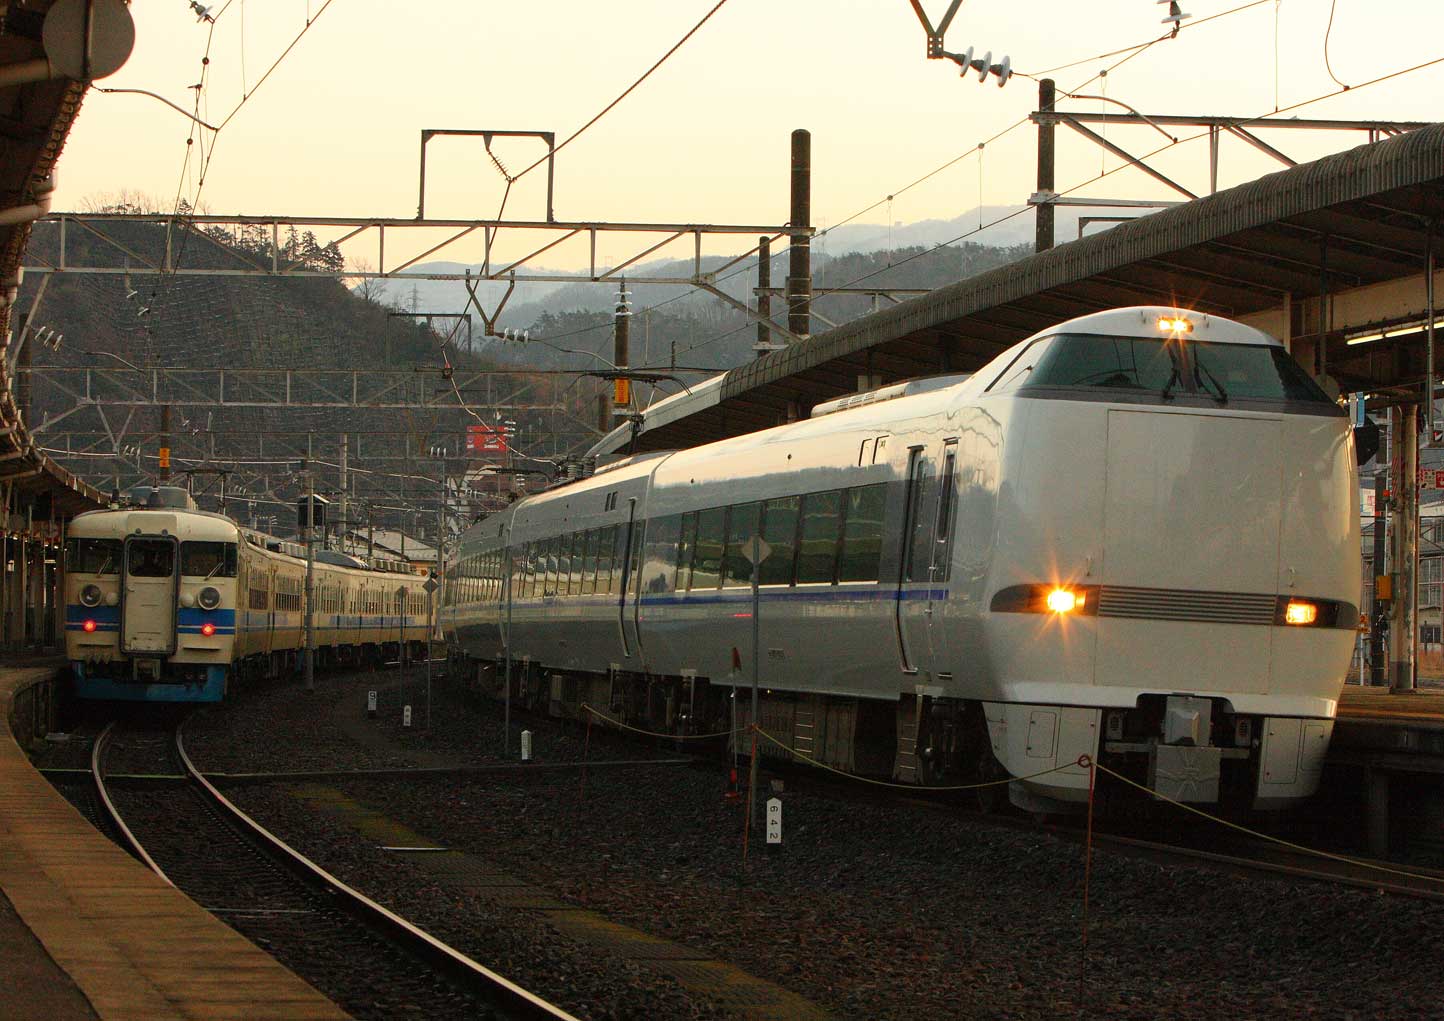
x=108 y=688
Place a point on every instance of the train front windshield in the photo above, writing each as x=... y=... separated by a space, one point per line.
x=150 y=558
x=1167 y=367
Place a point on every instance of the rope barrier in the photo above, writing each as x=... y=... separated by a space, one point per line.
x=1345 y=859
x=652 y=733
x=910 y=786
x=1086 y=761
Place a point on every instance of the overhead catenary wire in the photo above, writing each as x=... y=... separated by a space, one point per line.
x=625 y=92
x=1260 y=119
x=1128 y=52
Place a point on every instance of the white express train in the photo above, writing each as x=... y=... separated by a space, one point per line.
x=1132 y=536
x=168 y=603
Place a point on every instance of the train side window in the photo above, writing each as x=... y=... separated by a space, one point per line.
x=573 y=546
x=606 y=546
x=862 y=533
x=658 y=568
x=707 y=560
x=547 y=569
x=685 y=545
x=589 y=563
x=741 y=527
x=779 y=528
x=821 y=529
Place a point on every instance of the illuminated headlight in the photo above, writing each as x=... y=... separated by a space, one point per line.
x=209 y=597
x=1053 y=599
x=1062 y=600
x=1174 y=324
x=91 y=595
x=1301 y=612
x=208 y=629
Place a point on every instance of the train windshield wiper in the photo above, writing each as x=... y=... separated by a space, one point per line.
x=1173 y=380
x=1199 y=370
x=213 y=571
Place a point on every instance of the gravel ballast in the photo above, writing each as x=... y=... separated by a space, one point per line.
x=873 y=910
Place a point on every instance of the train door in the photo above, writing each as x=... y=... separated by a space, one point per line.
x=149 y=596
x=913 y=598
x=627 y=608
x=941 y=555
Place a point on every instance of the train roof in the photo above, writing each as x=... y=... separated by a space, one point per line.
x=1146 y=321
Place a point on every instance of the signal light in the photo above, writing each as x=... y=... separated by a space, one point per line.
x=208 y=629
x=88 y=627
x=1299 y=612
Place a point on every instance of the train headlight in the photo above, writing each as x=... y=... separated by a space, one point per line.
x=1073 y=600
x=1300 y=612
x=1062 y=600
x=1174 y=325
x=91 y=595
x=208 y=629
x=88 y=627
x=209 y=597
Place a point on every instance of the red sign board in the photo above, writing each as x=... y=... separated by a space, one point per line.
x=1431 y=478
x=485 y=439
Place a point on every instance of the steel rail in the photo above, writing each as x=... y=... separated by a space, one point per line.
x=97 y=774
x=505 y=995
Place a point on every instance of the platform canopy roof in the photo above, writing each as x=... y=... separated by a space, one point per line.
x=35 y=119
x=1317 y=254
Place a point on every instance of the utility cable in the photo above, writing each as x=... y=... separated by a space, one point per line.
x=1327 y=33
x=626 y=92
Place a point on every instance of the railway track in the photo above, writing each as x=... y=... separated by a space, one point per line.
x=366 y=958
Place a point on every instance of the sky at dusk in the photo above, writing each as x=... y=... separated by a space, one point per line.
x=335 y=129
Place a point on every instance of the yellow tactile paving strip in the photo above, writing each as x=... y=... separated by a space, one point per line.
x=1368 y=703
x=738 y=992
x=135 y=947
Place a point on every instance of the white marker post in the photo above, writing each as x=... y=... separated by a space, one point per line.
x=526 y=746
x=406 y=716
x=756 y=550
x=774 y=822
x=371 y=704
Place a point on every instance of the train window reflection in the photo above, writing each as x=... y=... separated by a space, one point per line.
x=741 y=527
x=684 y=552
x=92 y=556
x=821 y=525
x=589 y=562
x=779 y=528
x=707 y=561
x=208 y=559
x=1131 y=363
x=862 y=536
x=661 y=550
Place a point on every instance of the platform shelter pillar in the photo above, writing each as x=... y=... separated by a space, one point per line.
x=1404 y=542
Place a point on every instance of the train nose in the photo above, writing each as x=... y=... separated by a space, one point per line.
x=1192 y=520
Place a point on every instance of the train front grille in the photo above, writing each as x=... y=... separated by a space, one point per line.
x=1186 y=604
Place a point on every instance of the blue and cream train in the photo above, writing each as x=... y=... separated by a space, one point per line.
x=168 y=603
